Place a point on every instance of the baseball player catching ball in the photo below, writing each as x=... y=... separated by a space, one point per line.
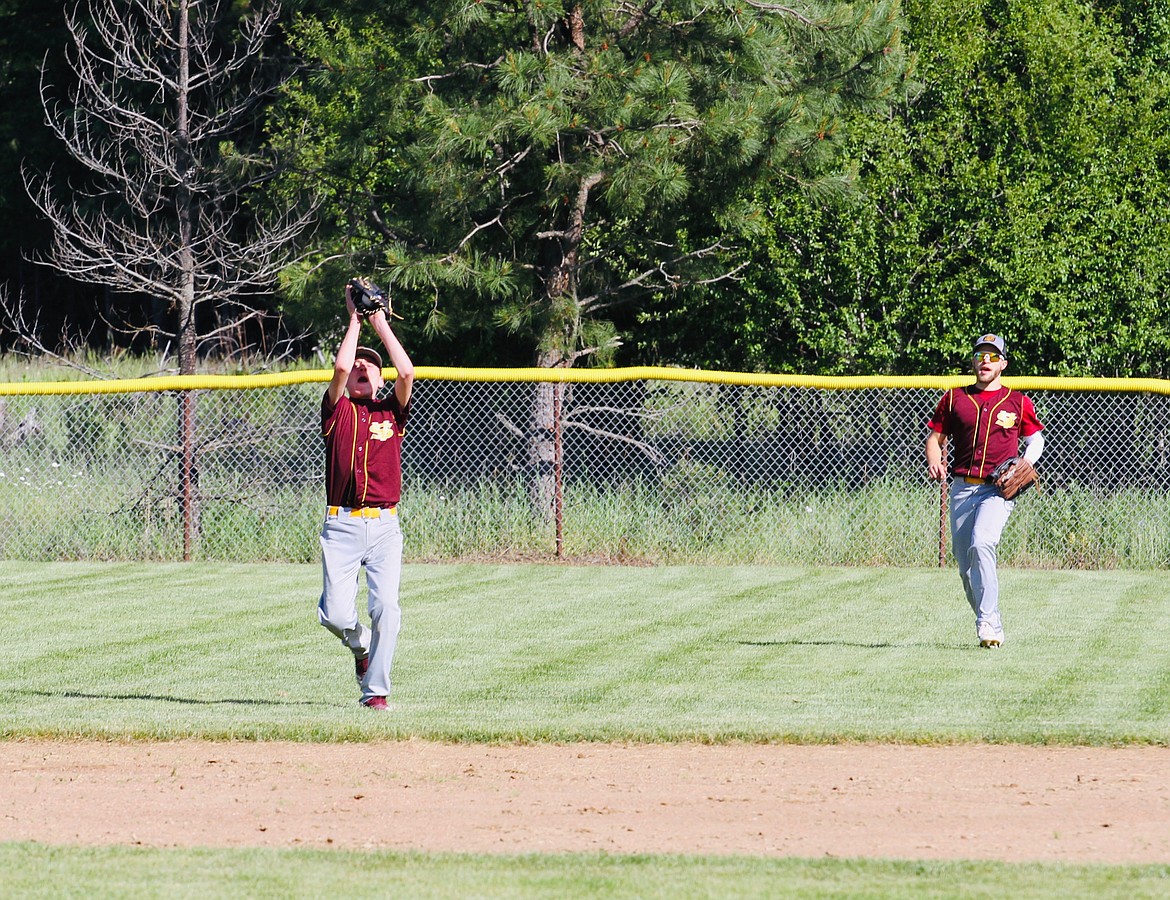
x=363 y=480
x=987 y=423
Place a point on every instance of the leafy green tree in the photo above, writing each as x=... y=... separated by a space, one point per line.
x=1049 y=137
x=537 y=165
x=1023 y=191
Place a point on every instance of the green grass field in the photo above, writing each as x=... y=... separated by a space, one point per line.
x=33 y=871
x=559 y=653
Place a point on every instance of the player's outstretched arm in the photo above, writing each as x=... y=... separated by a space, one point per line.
x=346 y=352
x=404 y=382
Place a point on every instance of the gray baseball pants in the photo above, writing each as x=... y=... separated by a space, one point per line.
x=978 y=516
x=347 y=544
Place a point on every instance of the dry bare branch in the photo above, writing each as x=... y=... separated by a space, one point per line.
x=660 y=277
x=158 y=103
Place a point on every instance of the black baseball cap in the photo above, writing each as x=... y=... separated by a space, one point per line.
x=992 y=340
x=369 y=353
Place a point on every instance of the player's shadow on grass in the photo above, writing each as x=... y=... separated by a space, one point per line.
x=864 y=645
x=165 y=698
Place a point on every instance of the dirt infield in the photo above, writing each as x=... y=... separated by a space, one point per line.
x=963 y=802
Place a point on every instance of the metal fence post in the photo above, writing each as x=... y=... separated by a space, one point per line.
x=558 y=469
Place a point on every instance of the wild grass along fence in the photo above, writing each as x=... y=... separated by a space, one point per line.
x=634 y=466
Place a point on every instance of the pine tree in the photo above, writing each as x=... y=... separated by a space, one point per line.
x=552 y=160
x=548 y=161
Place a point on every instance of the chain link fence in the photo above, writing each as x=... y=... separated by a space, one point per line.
x=659 y=468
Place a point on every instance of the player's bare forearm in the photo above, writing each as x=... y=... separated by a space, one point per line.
x=346 y=352
x=936 y=466
x=399 y=358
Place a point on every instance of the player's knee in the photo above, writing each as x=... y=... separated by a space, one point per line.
x=331 y=621
x=982 y=547
x=386 y=618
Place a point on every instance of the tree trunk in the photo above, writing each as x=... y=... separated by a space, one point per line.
x=560 y=345
x=189 y=477
x=543 y=449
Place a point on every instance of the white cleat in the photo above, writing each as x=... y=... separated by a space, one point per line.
x=989 y=637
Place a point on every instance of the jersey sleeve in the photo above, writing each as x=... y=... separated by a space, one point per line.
x=331 y=412
x=1030 y=423
x=401 y=413
x=938 y=421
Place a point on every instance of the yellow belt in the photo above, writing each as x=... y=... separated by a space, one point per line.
x=364 y=512
x=972 y=480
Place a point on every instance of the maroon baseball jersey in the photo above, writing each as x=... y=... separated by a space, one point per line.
x=984 y=426
x=363 y=451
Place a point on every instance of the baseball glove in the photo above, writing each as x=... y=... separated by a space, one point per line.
x=368 y=298
x=1014 y=477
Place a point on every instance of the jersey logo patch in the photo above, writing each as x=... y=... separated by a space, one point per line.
x=382 y=431
x=1006 y=419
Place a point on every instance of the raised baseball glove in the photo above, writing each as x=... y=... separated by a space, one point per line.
x=368 y=298
x=1013 y=477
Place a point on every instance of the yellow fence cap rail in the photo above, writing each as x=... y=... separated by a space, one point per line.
x=583 y=376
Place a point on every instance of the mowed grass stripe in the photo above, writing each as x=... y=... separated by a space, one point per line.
x=1097 y=674
x=542 y=652
x=34 y=870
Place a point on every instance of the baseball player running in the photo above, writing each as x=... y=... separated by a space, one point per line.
x=363 y=480
x=987 y=423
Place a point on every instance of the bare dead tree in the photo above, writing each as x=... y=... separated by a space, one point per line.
x=159 y=108
x=156 y=114
x=23 y=320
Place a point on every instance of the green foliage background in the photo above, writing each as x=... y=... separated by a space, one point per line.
x=1019 y=183
x=530 y=168
x=1023 y=191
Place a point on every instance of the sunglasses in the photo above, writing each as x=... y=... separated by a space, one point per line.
x=986 y=357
